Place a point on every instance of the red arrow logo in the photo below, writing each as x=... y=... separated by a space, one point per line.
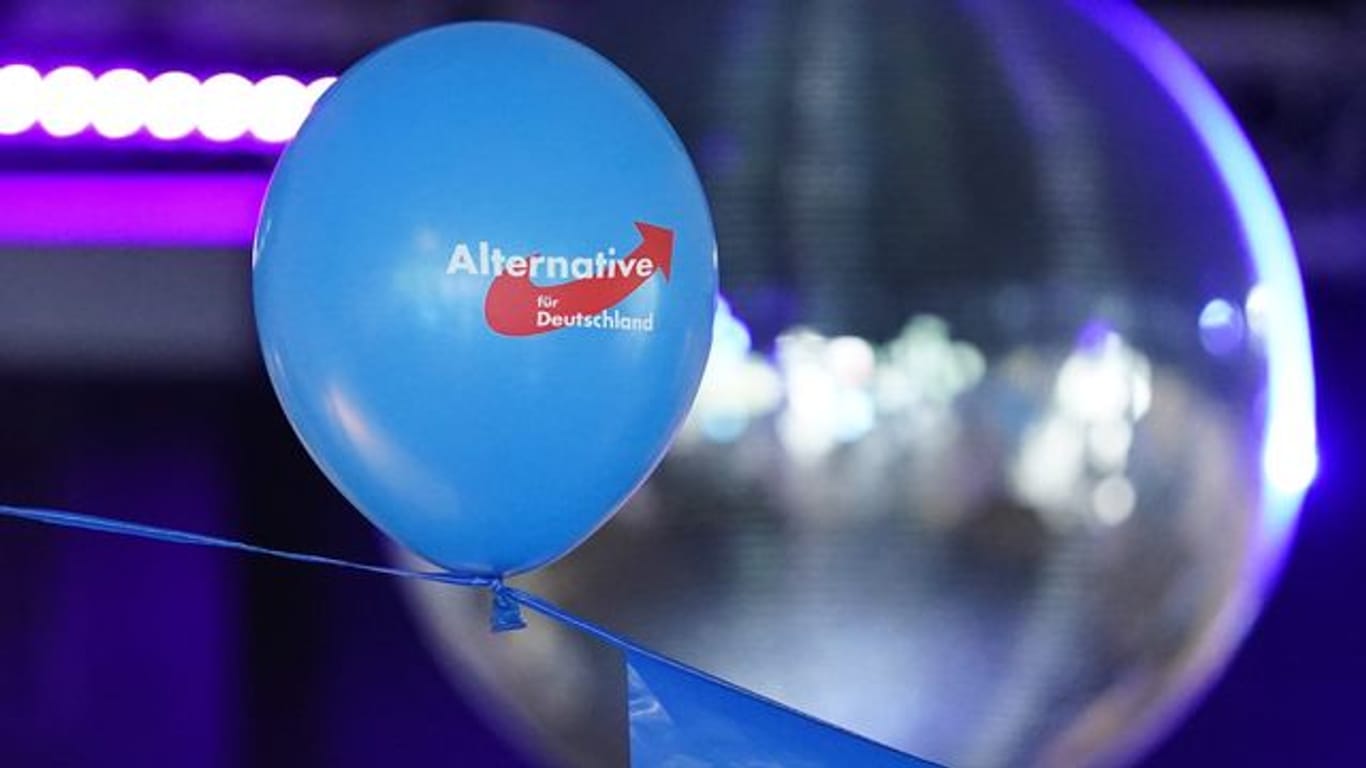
x=515 y=306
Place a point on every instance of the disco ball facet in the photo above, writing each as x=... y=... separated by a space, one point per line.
x=1008 y=416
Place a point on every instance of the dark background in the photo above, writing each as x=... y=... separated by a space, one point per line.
x=117 y=652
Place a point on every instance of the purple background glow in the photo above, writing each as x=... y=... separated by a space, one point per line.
x=208 y=210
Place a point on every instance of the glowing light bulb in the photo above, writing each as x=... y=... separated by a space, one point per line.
x=223 y=113
x=278 y=106
x=19 y=88
x=317 y=88
x=65 y=101
x=120 y=103
x=170 y=105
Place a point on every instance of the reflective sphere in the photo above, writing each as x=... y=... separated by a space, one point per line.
x=1008 y=418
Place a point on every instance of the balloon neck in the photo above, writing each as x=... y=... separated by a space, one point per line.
x=507 y=612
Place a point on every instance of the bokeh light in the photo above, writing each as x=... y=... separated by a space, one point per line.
x=66 y=101
x=120 y=102
x=279 y=105
x=171 y=106
x=224 y=111
x=19 y=94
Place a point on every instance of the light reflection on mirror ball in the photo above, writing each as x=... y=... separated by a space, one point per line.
x=1007 y=415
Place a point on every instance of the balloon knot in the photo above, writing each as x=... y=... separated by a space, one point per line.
x=507 y=612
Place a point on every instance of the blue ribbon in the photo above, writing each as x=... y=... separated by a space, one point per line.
x=700 y=729
x=171 y=536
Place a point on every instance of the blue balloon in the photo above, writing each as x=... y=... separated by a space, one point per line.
x=484 y=278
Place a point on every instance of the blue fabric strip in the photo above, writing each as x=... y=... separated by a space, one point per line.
x=171 y=536
x=678 y=717
x=698 y=737
x=818 y=741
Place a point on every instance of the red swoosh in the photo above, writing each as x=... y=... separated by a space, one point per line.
x=512 y=303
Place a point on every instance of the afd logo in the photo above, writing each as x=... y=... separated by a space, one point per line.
x=586 y=294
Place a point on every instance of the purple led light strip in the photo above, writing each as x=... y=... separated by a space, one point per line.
x=123 y=104
x=165 y=210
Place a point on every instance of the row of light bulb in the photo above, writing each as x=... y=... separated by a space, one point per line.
x=123 y=103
